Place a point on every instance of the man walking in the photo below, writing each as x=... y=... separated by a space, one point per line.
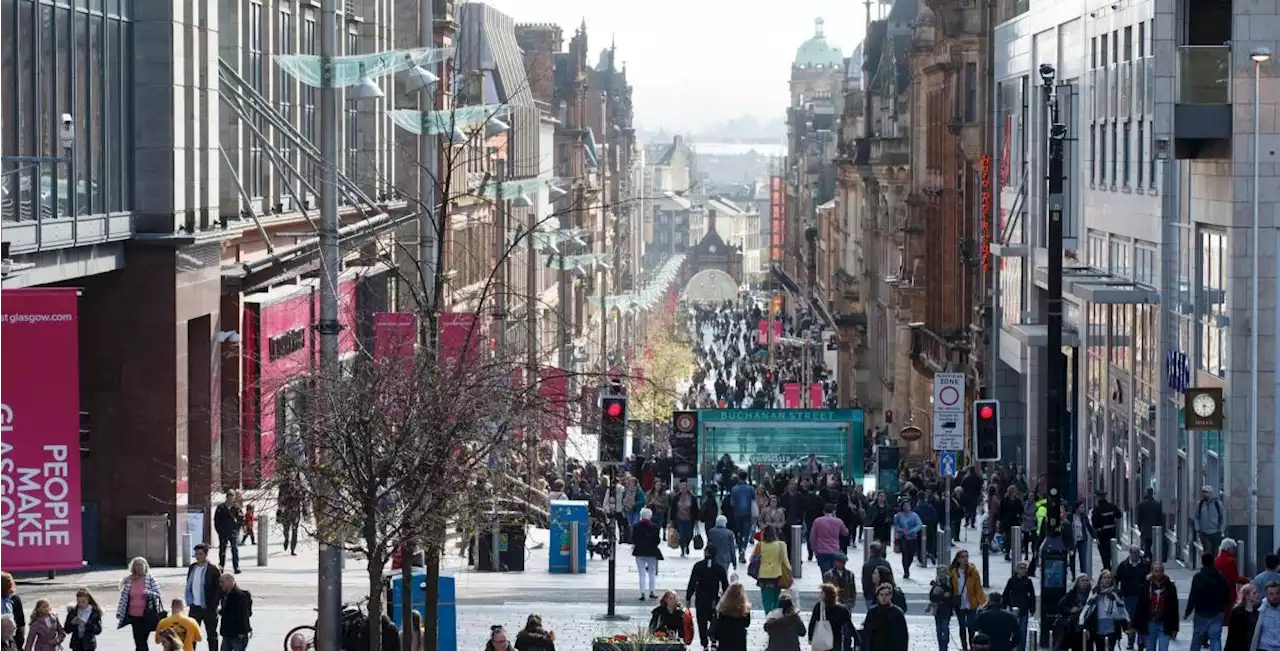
x=707 y=581
x=724 y=542
x=1106 y=523
x=1132 y=578
x=1210 y=520
x=1266 y=635
x=824 y=537
x=237 y=610
x=203 y=592
x=1209 y=598
x=227 y=520
x=742 y=496
x=1000 y=625
x=1150 y=516
x=875 y=560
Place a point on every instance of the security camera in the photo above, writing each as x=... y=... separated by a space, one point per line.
x=67 y=132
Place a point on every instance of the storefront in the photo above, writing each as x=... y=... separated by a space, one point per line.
x=770 y=441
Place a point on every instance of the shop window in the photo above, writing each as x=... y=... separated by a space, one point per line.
x=284 y=345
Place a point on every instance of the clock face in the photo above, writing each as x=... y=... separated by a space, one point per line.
x=1204 y=405
x=684 y=423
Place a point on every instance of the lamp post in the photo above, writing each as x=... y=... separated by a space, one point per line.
x=1259 y=55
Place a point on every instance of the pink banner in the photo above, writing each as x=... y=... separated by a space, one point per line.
x=553 y=388
x=816 y=398
x=460 y=336
x=393 y=336
x=40 y=419
x=762 y=333
x=791 y=396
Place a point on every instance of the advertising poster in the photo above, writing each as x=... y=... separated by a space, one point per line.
x=40 y=430
x=816 y=398
x=791 y=396
x=553 y=388
x=393 y=336
x=460 y=338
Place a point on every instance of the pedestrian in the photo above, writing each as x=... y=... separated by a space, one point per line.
x=1209 y=597
x=1020 y=596
x=733 y=619
x=1104 y=615
x=178 y=630
x=497 y=639
x=250 y=518
x=289 y=511
x=843 y=579
x=773 y=515
x=875 y=561
x=237 y=611
x=658 y=499
x=742 y=497
x=667 y=618
x=824 y=537
x=11 y=603
x=784 y=626
x=774 y=574
x=1068 y=629
x=227 y=521
x=84 y=621
x=1081 y=530
x=830 y=623
x=647 y=552
x=1150 y=516
x=1271 y=573
x=45 y=633
x=908 y=526
x=1243 y=620
x=1132 y=577
x=8 y=629
x=999 y=625
x=707 y=581
x=1266 y=635
x=533 y=637
x=885 y=626
x=204 y=592
x=139 y=603
x=1210 y=520
x=684 y=511
x=724 y=541
x=1106 y=518
x=968 y=590
x=941 y=605
x=880 y=519
x=1156 y=616
x=1229 y=567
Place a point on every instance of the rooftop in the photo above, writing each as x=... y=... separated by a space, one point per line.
x=817 y=52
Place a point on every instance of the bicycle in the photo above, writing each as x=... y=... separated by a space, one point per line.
x=308 y=631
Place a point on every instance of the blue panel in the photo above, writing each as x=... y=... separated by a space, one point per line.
x=446 y=612
x=563 y=514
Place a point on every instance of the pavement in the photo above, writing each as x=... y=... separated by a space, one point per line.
x=285 y=594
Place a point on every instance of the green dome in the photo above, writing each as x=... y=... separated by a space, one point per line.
x=817 y=52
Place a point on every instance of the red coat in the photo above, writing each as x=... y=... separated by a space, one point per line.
x=1226 y=564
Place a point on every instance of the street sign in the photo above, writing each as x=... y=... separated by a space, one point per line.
x=948 y=412
x=947 y=463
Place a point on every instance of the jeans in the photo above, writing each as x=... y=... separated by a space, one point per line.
x=910 y=547
x=290 y=535
x=964 y=617
x=1131 y=606
x=660 y=521
x=1206 y=627
x=685 y=530
x=235 y=643
x=705 y=613
x=141 y=633
x=825 y=563
x=234 y=542
x=1210 y=541
x=647 y=568
x=769 y=598
x=1023 y=618
x=943 y=625
x=1081 y=558
x=1157 y=640
x=743 y=529
x=209 y=618
x=1105 y=550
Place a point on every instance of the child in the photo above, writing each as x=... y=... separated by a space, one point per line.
x=178 y=632
x=249 y=518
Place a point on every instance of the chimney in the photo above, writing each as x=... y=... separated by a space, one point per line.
x=711 y=217
x=678 y=141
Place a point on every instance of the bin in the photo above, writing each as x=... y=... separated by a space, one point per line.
x=510 y=548
x=148 y=536
x=446 y=610
x=563 y=514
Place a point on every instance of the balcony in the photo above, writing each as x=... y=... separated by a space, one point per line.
x=856 y=151
x=1202 y=105
x=932 y=353
x=891 y=152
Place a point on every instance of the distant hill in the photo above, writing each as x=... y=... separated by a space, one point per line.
x=746 y=129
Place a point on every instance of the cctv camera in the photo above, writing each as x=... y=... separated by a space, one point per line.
x=67 y=132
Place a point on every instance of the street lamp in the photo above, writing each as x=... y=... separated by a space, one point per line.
x=1259 y=55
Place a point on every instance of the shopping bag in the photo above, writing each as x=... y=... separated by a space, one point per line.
x=824 y=638
x=688 y=626
x=753 y=566
x=698 y=542
x=673 y=537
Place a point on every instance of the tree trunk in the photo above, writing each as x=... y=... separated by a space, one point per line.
x=406 y=599
x=431 y=619
x=376 y=564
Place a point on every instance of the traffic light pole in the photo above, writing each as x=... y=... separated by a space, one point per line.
x=611 y=416
x=1053 y=575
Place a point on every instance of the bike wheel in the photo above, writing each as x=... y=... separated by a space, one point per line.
x=308 y=632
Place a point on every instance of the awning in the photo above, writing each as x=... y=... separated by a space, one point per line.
x=784 y=278
x=1099 y=287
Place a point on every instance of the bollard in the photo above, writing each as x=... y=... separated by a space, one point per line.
x=186 y=550
x=868 y=537
x=1015 y=545
x=797 y=553
x=263 y=542
x=1033 y=639
x=574 y=566
x=1241 y=566
x=1157 y=543
x=495 y=549
x=985 y=542
x=944 y=546
x=1196 y=550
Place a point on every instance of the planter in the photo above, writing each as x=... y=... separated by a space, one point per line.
x=636 y=646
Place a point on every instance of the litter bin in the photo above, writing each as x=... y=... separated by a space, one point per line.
x=148 y=536
x=510 y=548
x=446 y=610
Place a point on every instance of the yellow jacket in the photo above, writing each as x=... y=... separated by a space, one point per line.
x=188 y=630
x=972 y=586
x=773 y=558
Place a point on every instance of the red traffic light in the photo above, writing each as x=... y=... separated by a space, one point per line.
x=613 y=410
x=986 y=412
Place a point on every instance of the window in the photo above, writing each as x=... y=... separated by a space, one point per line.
x=1127 y=144
x=1093 y=52
x=1142 y=39
x=1102 y=154
x=307 y=44
x=1153 y=180
x=352 y=127
x=970 y=92
x=252 y=175
x=1115 y=46
x=1212 y=302
x=1093 y=153
x=1144 y=268
x=1115 y=150
x=285 y=98
x=1142 y=148
x=1128 y=43
x=1098 y=251
x=1120 y=258
x=1104 y=50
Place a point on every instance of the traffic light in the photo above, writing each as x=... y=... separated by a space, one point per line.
x=613 y=428
x=986 y=430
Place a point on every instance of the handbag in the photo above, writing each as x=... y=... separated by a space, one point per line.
x=687 y=633
x=673 y=537
x=698 y=542
x=823 y=638
x=753 y=566
x=786 y=580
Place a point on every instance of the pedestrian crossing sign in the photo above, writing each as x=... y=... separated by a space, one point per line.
x=947 y=463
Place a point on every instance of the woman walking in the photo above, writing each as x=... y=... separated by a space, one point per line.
x=829 y=618
x=885 y=627
x=84 y=622
x=784 y=626
x=647 y=552
x=1104 y=615
x=1241 y=622
x=774 y=573
x=733 y=619
x=45 y=634
x=941 y=596
x=969 y=594
x=667 y=617
x=140 y=602
x=684 y=511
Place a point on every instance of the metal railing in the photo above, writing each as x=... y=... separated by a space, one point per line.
x=1204 y=74
x=890 y=151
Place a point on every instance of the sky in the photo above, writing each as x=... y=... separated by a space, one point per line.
x=699 y=63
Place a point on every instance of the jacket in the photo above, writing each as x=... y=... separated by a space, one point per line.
x=868 y=568
x=88 y=639
x=1097 y=602
x=527 y=640
x=1105 y=519
x=227 y=520
x=153 y=600
x=1210 y=593
x=1226 y=564
x=237 y=610
x=742 y=496
x=1240 y=628
x=1000 y=625
x=773 y=559
x=1131 y=577
x=836 y=615
x=644 y=540
x=1142 y=616
x=13 y=604
x=731 y=632
x=845 y=582
x=1210 y=517
x=941 y=596
x=885 y=629
x=1150 y=514
x=972 y=586
x=669 y=621
x=1020 y=594
x=724 y=542
x=784 y=631
x=212 y=589
x=44 y=634
x=707 y=581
